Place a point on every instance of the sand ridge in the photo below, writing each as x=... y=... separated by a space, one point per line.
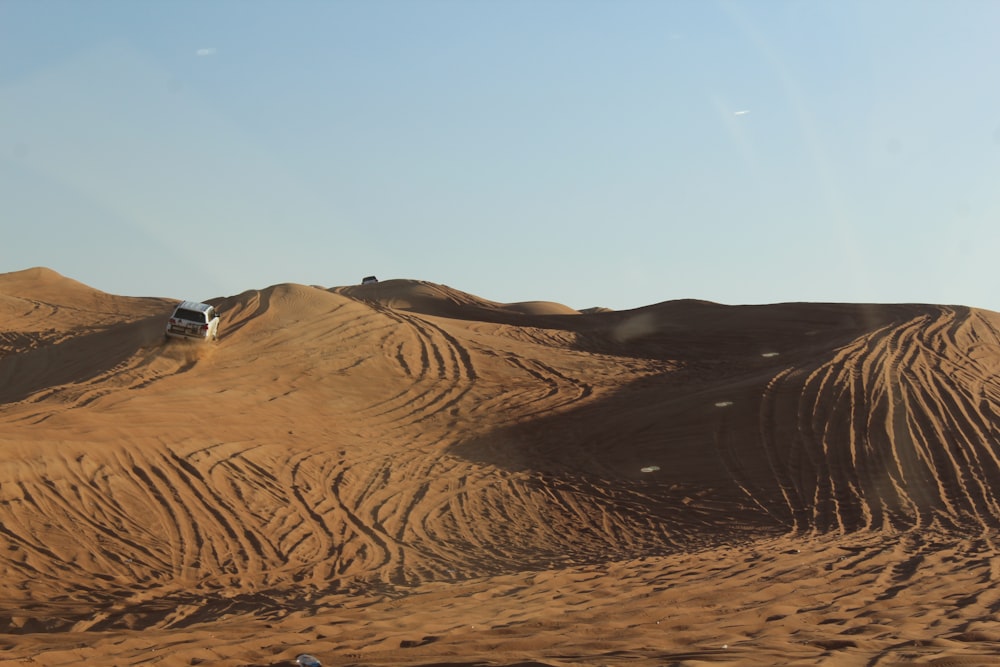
x=406 y=474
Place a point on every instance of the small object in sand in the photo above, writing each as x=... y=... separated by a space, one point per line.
x=306 y=660
x=650 y=469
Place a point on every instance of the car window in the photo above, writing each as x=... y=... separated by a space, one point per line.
x=185 y=314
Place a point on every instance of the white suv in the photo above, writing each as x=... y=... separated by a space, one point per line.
x=194 y=320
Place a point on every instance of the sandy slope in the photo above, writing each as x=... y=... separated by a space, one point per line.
x=405 y=474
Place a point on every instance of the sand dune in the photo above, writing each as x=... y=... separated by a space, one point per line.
x=407 y=474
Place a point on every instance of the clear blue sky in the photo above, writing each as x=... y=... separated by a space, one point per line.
x=612 y=153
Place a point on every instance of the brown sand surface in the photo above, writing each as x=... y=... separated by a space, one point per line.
x=406 y=474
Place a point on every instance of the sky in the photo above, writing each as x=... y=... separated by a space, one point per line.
x=612 y=153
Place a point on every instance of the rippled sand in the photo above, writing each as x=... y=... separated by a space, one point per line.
x=406 y=474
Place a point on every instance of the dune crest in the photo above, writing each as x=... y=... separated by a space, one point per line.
x=406 y=474
x=440 y=300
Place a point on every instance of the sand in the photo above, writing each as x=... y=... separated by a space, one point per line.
x=407 y=474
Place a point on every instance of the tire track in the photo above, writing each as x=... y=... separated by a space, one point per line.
x=894 y=431
x=440 y=366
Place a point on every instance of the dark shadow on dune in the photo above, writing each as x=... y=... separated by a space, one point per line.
x=702 y=331
x=657 y=449
x=735 y=430
x=77 y=359
x=724 y=357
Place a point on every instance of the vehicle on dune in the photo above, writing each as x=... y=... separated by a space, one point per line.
x=193 y=320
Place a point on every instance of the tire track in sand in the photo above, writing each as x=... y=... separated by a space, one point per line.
x=897 y=430
x=440 y=367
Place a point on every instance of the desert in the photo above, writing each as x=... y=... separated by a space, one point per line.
x=403 y=473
